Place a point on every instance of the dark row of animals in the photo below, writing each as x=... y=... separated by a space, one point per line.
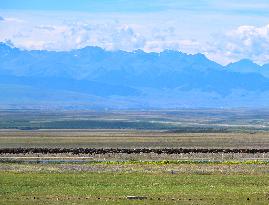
x=125 y=151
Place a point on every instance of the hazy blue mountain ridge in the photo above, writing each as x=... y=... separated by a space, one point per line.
x=247 y=66
x=131 y=79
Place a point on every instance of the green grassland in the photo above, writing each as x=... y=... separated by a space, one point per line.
x=114 y=187
x=165 y=182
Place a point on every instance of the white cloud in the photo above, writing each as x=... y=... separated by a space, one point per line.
x=243 y=42
x=109 y=35
x=74 y=35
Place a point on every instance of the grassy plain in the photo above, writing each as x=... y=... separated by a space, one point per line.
x=113 y=183
x=107 y=182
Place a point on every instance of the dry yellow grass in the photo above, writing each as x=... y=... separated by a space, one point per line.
x=130 y=139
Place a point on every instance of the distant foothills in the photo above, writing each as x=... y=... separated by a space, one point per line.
x=93 y=78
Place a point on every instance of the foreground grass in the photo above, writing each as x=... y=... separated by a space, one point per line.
x=112 y=188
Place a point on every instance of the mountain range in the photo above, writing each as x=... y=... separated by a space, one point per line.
x=92 y=77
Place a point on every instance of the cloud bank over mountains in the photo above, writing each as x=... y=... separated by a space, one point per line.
x=244 y=41
x=110 y=36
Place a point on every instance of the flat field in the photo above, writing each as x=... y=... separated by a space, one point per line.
x=130 y=139
x=114 y=183
x=152 y=178
x=180 y=121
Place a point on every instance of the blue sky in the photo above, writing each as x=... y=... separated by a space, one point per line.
x=244 y=6
x=224 y=30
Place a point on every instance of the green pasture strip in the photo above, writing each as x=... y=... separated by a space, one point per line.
x=164 y=162
x=114 y=187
